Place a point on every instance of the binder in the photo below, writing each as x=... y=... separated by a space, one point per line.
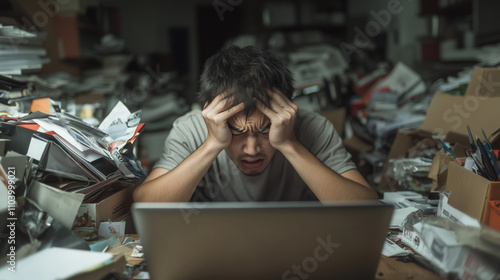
x=56 y=160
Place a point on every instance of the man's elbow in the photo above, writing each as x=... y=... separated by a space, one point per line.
x=138 y=195
x=369 y=194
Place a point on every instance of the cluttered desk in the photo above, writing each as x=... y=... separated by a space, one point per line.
x=69 y=217
x=85 y=228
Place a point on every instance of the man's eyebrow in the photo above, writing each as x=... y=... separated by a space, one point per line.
x=234 y=128
x=267 y=126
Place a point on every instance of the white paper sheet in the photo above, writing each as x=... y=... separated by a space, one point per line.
x=392 y=249
x=120 y=112
x=399 y=215
x=36 y=148
x=55 y=263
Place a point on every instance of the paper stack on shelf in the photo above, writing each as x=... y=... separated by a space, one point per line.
x=11 y=91
x=21 y=53
x=20 y=50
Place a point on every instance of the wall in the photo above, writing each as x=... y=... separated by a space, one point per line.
x=403 y=29
x=145 y=24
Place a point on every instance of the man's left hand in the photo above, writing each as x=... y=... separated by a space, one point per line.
x=282 y=113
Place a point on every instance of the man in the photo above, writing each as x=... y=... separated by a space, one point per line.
x=251 y=143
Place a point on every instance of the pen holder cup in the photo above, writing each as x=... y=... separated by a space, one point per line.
x=494 y=221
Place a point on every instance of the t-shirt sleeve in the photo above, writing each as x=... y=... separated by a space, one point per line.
x=320 y=137
x=182 y=140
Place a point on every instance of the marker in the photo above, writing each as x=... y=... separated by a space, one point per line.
x=451 y=153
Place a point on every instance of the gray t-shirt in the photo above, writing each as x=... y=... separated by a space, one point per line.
x=279 y=181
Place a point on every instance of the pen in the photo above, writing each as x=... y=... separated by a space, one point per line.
x=467 y=153
x=451 y=153
x=486 y=160
x=480 y=168
x=493 y=160
x=471 y=140
x=486 y=139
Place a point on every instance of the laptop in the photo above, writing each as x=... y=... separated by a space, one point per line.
x=262 y=240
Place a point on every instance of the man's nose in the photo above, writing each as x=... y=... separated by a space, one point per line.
x=251 y=145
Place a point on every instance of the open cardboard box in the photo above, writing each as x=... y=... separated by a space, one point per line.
x=449 y=115
x=113 y=205
x=470 y=192
x=439 y=168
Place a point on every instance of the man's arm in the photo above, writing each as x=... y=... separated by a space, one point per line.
x=326 y=184
x=179 y=184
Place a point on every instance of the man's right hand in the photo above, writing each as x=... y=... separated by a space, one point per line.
x=216 y=116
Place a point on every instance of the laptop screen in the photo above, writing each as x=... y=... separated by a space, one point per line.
x=262 y=240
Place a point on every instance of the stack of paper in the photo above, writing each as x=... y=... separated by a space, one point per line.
x=391 y=102
x=467 y=252
x=20 y=50
x=74 y=156
x=56 y=263
x=11 y=90
x=312 y=65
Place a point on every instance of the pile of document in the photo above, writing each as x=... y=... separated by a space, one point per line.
x=20 y=49
x=13 y=94
x=396 y=101
x=73 y=156
x=406 y=203
x=312 y=65
x=465 y=251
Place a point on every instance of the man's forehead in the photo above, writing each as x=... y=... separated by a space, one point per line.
x=257 y=117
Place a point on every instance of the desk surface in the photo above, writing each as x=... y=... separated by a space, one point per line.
x=389 y=268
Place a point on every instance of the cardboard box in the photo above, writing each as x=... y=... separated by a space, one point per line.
x=403 y=142
x=448 y=116
x=484 y=83
x=439 y=168
x=470 y=192
x=113 y=205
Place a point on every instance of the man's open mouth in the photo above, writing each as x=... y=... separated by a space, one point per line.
x=252 y=163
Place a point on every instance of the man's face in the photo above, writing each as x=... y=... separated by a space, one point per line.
x=250 y=149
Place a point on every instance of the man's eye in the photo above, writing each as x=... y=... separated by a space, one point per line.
x=265 y=131
x=236 y=133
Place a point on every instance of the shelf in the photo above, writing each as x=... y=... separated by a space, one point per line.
x=456 y=10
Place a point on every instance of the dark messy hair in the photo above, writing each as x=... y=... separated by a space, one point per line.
x=242 y=74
